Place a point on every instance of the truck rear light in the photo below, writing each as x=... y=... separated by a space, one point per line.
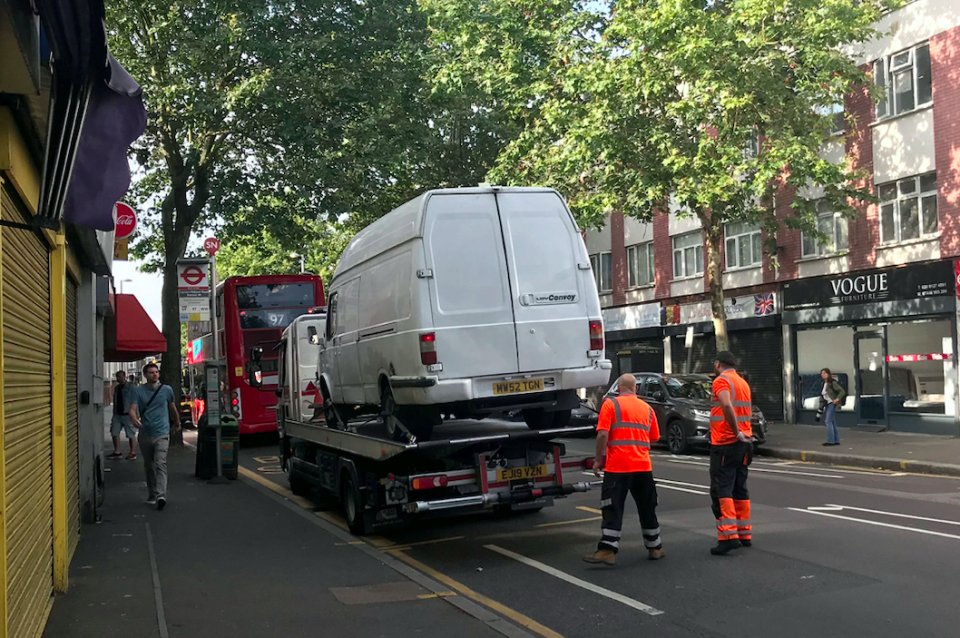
x=596 y=334
x=428 y=349
x=429 y=482
x=235 y=403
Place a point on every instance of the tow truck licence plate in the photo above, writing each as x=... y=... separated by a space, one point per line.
x=517 y=387
x=518 y=473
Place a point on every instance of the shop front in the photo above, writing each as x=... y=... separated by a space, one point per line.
x=634 y=338
x=887 y=335
x=755 y=339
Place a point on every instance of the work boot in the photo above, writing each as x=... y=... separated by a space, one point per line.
x=725 y=547
x=746 y=542
x=604 y=556
x=656 y=554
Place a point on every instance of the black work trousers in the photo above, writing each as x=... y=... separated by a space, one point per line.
x=613 y=497
x=729 y=466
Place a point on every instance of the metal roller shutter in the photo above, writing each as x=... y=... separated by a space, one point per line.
x=73 y=425
x=27 y=426
x=760 y=353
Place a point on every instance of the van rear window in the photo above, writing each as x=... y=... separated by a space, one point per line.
x=467 y=264
x=543 y=252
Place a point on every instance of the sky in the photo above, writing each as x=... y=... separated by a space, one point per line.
x=147 y=287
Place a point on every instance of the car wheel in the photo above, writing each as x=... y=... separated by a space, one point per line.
x=352 y=506
x=677 y=438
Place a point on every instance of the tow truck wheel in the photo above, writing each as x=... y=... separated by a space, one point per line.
x=352 y=506
x=298 y=486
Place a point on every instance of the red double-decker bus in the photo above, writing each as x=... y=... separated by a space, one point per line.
x=253 y=311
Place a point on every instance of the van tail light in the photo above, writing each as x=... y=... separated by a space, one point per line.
x=596 y=334
x=429 y=482
x=428 y=348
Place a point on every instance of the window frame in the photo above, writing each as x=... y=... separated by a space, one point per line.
x=887 y=108
x=596 y=265
x=831 y=249
x=633 y=263
x=920 y=196
x=696 y=248
x=737 y=239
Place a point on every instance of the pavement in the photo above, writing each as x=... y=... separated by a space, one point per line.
x=897 y=451
x=837 y=552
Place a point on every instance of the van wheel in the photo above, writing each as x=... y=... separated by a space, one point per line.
x=352 y=505
x=388 y=412
x=330 y=413
x=539 y=419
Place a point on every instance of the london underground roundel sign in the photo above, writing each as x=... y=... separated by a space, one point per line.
x=126 y=221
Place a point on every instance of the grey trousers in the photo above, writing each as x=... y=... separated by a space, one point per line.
x=154 y=450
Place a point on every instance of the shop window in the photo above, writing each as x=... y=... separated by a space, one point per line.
x=906 y=80
x=920 y=362
x=602 y=265
x=908 y=209
x=640 y=262
x=687 y=255
x=830 y=224
x=744 y=248
x=824 y=348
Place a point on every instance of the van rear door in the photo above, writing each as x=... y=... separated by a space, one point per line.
x=544 y=253
x=469 y=288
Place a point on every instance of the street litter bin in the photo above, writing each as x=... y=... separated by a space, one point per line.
x=229 y=448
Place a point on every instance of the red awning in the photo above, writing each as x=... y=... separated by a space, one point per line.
x=130 y=333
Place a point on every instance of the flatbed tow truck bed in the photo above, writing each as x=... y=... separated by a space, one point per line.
x=467 y=466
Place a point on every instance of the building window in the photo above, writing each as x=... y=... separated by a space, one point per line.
x=743 y=245
x=908 y=209
x=838 y=124
x=640 y=265
x=602 y=271
x=751 y=148
x=833 y=225
x=905 y=78
x=687 y=255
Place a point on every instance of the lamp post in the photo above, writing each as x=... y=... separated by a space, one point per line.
x=122 y=281
x=300 y=257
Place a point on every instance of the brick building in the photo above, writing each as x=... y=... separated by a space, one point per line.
x=877 y=304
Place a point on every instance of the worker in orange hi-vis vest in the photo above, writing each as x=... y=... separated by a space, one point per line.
x=731 y=451
x=625 y=430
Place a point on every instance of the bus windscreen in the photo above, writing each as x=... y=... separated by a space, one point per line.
x=273 y=305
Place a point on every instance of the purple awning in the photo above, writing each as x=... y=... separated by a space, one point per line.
x=115 y=118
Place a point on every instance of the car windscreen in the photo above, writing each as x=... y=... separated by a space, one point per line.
x=696 y=389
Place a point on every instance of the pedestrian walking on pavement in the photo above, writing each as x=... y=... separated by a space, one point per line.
x=124 y=395
x=832 y=397
x=626 y=427
x=731 y=451
x=155 y=407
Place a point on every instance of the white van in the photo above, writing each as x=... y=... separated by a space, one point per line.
x=463 y=302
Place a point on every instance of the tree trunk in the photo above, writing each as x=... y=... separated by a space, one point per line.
x=170 y=370
x=714 y=237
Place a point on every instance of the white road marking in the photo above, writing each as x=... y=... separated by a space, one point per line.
x=896 y=515
x=683 y=489
x=658 y=481
x=828 y=508
x=573 y=580
x=877 y=523
x=768 y=470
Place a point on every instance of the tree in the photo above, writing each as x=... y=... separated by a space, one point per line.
x=261 y=113
x=662 y=108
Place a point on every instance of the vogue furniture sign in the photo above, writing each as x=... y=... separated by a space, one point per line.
x=902 y=283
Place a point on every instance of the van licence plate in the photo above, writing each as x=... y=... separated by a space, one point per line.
x=517 y=387
x=519 y=473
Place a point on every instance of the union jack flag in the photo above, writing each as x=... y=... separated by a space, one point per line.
x=763 y=304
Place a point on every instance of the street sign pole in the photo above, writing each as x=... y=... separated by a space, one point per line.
x=213 y=397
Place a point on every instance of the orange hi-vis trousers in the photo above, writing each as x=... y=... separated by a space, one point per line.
x=728 y=490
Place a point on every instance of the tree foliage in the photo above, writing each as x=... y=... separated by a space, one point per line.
x=654 y=109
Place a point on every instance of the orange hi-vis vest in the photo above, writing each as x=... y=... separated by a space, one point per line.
x=720 y=432
x=632 y=424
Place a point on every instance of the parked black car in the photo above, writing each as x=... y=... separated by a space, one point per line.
x=682 y=404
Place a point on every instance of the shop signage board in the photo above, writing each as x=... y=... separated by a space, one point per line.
x=631 y=317
x=904 y=283
x=742 y=307
x=193 y=290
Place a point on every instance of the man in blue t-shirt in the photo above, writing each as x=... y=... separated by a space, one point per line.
x=153 y=409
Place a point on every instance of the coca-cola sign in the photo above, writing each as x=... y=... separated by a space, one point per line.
x=902 y=283
x=125 y=221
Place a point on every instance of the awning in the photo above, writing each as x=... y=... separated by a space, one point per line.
x=130 y=333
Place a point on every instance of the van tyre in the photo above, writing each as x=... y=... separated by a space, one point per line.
x=352 y=505
x=390 y=414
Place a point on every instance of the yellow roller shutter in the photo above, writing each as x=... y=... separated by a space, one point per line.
x=73 y=425
x=27 y=426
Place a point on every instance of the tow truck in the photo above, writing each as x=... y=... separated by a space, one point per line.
x=467 y=466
